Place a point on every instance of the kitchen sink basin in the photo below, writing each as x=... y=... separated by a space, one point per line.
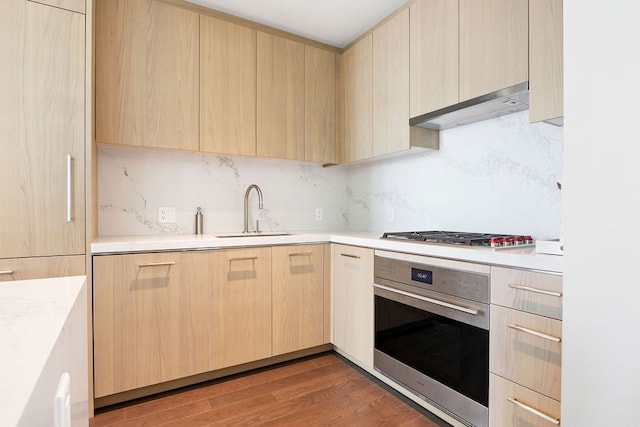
x=260 y=234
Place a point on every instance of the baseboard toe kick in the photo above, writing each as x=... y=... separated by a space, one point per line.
x=174 y=385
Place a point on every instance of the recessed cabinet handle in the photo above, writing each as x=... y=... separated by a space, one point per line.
x=157 y=264
x=6 y=272
x=536 y=290
x=535 y=333
x=301 y=254
x=350 y=256
x=69 y=161
x=552 y=420
x=246 y=258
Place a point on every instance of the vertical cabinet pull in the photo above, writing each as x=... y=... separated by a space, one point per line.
x=536 y=290
x=552 y=420
x=69 y=161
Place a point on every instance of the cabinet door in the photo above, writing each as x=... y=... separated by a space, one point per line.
x=391 y=85
x=227 y=87
x=493 y=45
x=42 y=105
x=241 y=306
x=358 y=130
x=434 y=55
x=151 y=319
x=545 y=60
x=280 y=109
x=353 y=302
x=298 y=294
x=147 y=70
x=41 y=268
x=73 y=5
x=320 y=105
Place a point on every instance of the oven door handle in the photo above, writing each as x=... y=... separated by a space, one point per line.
x=427 y=299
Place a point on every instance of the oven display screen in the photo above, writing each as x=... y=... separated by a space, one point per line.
x=424 y=276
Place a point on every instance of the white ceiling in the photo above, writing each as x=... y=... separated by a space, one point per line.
x=334 y=22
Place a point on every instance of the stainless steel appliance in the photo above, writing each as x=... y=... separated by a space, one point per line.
x=432 y=331
x=462 y=238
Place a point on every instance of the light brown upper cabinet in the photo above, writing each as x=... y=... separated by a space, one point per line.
x=493 y=45
x=42 y=131
x=358 y=100
x=390 y=108
x=280 y=100
x=434 y=55
x=545 y=61
x=461 y=49
x=147 y=74
x=320 y=105
x=227 y=87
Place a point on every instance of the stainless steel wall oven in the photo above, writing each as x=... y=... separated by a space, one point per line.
x=432 y=331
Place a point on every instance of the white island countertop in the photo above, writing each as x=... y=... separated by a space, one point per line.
x=32 y=316
x=511 y=257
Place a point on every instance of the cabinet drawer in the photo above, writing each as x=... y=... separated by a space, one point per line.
x=42 y=267
x=514 y=405
x=534 y=292
x=526 y=349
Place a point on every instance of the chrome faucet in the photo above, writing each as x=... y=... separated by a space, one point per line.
x=246 y=206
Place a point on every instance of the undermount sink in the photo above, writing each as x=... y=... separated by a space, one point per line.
x=254 y=234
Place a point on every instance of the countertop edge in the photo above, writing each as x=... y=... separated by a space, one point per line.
x=514 y=258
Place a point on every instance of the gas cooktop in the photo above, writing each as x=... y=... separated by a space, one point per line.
x=462 y=238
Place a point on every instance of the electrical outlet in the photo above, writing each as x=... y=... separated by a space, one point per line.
x=319 y=214
x=166 y=215
x=390 y=215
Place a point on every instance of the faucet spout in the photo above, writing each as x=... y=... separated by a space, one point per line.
x=246 y=204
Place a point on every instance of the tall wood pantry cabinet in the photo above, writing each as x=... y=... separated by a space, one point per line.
x=42 y=138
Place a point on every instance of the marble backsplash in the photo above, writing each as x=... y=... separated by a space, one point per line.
x=495 y=176
x=498 y=176
x=134 y=184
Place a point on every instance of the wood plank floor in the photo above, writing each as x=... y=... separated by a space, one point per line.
x=321 y=390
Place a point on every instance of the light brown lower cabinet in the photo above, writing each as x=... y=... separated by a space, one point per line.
x=353 y=302
x=240 y=306
x=510 y=404
x=41 y=267
x=525 y=360
x=527 y=349
x=298 y=297
x=164 y=316
x=150 y=319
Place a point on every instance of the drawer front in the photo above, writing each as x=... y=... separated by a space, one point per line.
x=534 y=292
x=42 y=267
x=526 y=348
x=513 y=405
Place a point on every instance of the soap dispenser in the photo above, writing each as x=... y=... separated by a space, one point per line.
x=199 y=221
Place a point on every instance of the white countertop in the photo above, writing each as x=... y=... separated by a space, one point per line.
x=32 y=315
x=519 y=258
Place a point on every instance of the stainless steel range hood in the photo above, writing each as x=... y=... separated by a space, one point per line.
x=505 y=101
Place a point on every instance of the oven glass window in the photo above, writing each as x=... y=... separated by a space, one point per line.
x=451 y=352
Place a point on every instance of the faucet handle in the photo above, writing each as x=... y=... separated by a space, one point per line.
x=257 y=226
